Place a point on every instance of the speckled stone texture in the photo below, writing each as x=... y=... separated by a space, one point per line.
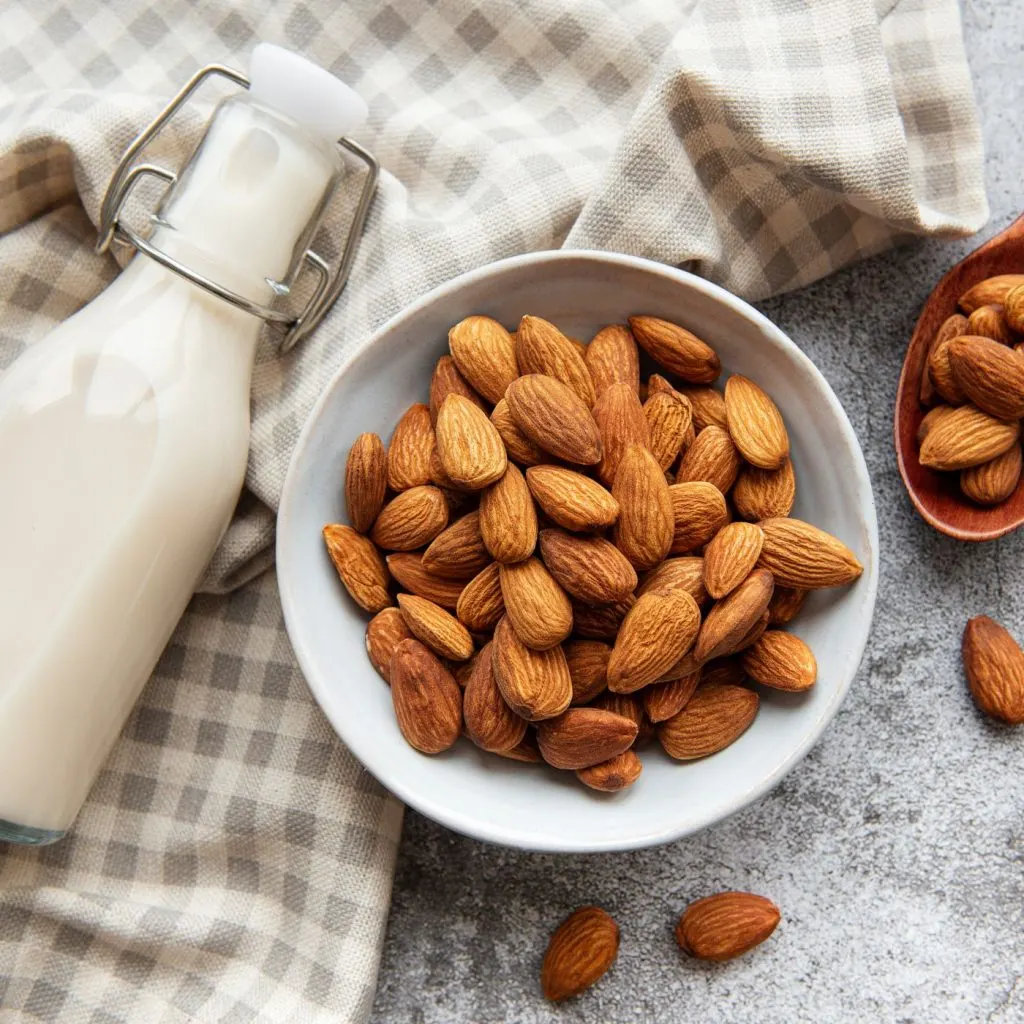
x=895 y=850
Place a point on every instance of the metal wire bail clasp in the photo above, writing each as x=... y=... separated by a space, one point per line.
x=330 y=281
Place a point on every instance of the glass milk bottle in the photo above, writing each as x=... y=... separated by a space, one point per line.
x=124 y=433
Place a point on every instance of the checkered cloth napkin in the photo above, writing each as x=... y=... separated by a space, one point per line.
x=233 y=863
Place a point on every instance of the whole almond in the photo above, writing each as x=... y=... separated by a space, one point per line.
x=782 y=661
x=713 y=458
x=508 y=518
x=657 y=632
x=646 y=523
x=571 y=499
x=517 y=444
x=554 y=418
x=614 y=775
x=427 y=700
x=944 y=381
x=542 y=348
x=755 y=423
x=384 y=632
x=730 y=557
x=612 y=358
x=765 y=493
x=663 y=700
x=581 y=737
x=471 y=449
x=686 y=573
x=929 y=420
x=600 y=622
x=1013 y=308
x=365 y=481
x=990 y=375
x=485 y=355
x=732 y=618
x=708 y=406
x=583 y=947
x=410 y=448
x=951 y=327
x=433 y=626
x=446 y=381
x=993 y=291
x=676 y=349
x=620 y=419
x=967 y=437
x=669 y=418
x=490 y=723
x=588 y=668
x=458 y=552
x=799 y=554
x=714 y=717
x=698 y=513
x=588 y=568
x=993 y=481
x=408 y=569
x=411 y=519
x=480 y=604
x=726 y=925
x=990 y=322
x=994 y=664
x=786 y=602
x=535 y=684
x=535 y=604
x=359 y=566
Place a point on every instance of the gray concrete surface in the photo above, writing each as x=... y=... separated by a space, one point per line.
x=895 y=850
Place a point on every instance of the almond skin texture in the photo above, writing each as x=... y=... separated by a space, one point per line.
x=359 y=566
x=994 y=665
x=552 y=416
x=755 y=423
x=990 y=375
x=708 y=406
x=519 y=447
x=526 y=751
x=786 y=602
x=993 y=481
x=613 y=775
x=588 y=568
x=601 y=622
x=365 y=481
x=535 y=684
x=944 y=381
x=583 y=947
x=731 y=619
x=967 y=437
x=685 y=573
x=750 y=637
x=716 y=716
x=620 y=419
x=669 y=419
x=427 y=700
x=698 y=513
x=571 y=499
x=485 y=355
x=612 y=358
x=409 y=449
x=656 y=633
x=730 y=557
x=676 y=349
x=726 y=925
x=581 y=737
x=535 y=604
x=765 y=493
x=646 y=523
x=411 y=519
x=542 y=348
x=1013 y=309
x=993 y=291
x=508 y=518
x=663 y=700
x=782 y=661
x=446 y=381
x=408 y=569
x=588 y=668
x=990 y=322
x=436 y=628
x=458 y=552
x=471 y=449
x=928 y=421
x=800 y=555
x=384 y=632
x=480 y=605
x=490 y=723
x=951 y=327
x=712 y=457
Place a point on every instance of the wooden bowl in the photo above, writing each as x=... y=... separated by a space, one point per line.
x=937 y=496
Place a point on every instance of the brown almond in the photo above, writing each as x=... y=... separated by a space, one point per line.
x=408 y=569
x=993 y=481
x=410 y=448
x=659 y=385
x=755 y=423
x=730 y=557
x=676 y=349
x=612 y=358
x=786 y=602
x=571 y=499
x=485 y=355
x=366 y=473
x=588 y=668
x=726 y=925
x=929 y=420
x=446 y=381
x=508 y=518
x=581 y=737
x=951 y=327
x=1013 y=309
x=698 y=513
x=600 y=622
x=384 y=632
x=669 y=418
x=732 y=618
x=433 y=626
x=552 y=416
x=582 y=949
x=663 y=700
x=765 y=493
x=490 y=723
x=967 y=437
x=708 y=406
x=756 y=631
x=620 y=419
x=535 y=604
x=542 y=348
x=411 y=519
x=686 y=573
x=427 y=700
x=944 y=381
x=519 y=447
x=588 y=568
x=799 y=554
x=782 y=661
x=480 y=605
x=994 y=664
x=989 y=322
x=993 y=291
x=535 y=684
x=715 y=716
x=359 y=566
x=628 y=705
x=526 y=751
x=613 y=775
x=645 y=527
x=471 y=449
x=458 y=552
x=990 y=374
x=713 y=458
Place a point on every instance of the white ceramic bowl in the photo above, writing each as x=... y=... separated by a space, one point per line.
x=533 y=806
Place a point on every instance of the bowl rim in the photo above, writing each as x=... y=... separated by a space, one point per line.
x=451 y=817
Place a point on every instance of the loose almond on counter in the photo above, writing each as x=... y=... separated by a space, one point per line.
x=365 y=481
x=994 y=664
x=726 y=925
x=581 y=950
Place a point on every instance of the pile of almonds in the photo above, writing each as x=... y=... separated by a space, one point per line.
x=582 y=560
x=973 y=382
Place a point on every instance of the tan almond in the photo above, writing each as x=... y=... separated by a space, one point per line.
x=447 y=380
x=990 y=322
x=508 y=518
x=782 y=661
x=929 y=420
x=581 y=737
x=698 y=513
x=408 y=569
x=663 y=700
x=755 y=423
x=542 y=348
x=572 y=500
x=600 y=622
x=944 y=381
x=490 y=723
x=732 y=618
x=765 y=493
x=471 y=449
x=993 y=291
x=951 y=327
x=669 y=418
x=587 y=568
x=730 y=557
x=480 y=605
x=410 y=448
x=551 y=415
x=620 y=419
x=588 y=668
x=458 y=552
x=614 y=775
x=714 y=717
x=1013 y=309
x=433 y=626
x=646 y=523
x=485 y=355
x=612 y=358
x=359 y=565
x=967 y=437
x=708 y=406
x=535 y=684
x=990 y=374
x=676 y=349
x=726 y=925
x=993 y=481
x=786 y=602
x=535 y=604
x=686 y=573
x=994 y=664
x=519 y=447
x=411 y=519
x=384 y=632
x=582 y=949
x=801 y=555
x=713 y=457
x=366 y=472
x=427 y=700
x=657 y=632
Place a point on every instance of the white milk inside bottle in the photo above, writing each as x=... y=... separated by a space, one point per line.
x=124 y=436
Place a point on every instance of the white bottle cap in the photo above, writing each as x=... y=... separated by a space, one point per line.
x=304 y=91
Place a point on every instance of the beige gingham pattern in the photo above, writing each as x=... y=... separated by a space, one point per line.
x=233 y=863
